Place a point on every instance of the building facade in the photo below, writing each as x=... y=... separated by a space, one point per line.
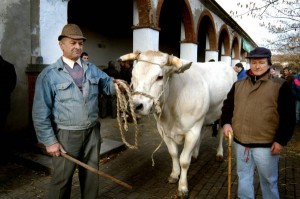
x=196 y=30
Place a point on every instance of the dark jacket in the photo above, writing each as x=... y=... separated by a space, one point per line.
x=8 y=81
x=242 y=74
x=126 y=74
x=296 y=87
x=112 y=72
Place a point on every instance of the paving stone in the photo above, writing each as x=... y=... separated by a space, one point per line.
x=207 y=178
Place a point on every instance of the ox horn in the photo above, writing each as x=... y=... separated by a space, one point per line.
x=181 y=67
x=130 y=56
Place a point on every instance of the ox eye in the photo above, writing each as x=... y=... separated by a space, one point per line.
x=159 y=78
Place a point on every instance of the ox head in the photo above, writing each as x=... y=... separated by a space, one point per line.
x=149 y=76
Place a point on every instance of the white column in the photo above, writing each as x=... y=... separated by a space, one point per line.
x=211 y=55
x=246 y=65
x=234 y=62
x=53 y=17
x=188 y=51
x=226 y=59
x=145 y=39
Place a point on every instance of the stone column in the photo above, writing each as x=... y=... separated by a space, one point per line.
x=211 y=55
x=145 y=39
x=188 y=51
x=226 y=59
x=234 y=62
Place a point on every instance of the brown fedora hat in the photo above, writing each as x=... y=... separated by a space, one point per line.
x=72 y=31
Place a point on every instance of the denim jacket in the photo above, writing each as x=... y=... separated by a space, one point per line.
x=58 y=102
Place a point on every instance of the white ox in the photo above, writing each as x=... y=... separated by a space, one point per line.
x=190 y=95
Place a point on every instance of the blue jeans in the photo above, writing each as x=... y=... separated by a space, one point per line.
x=247 y=159
x=298 y=111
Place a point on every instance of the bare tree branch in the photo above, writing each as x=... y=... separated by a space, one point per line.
x=283 y=20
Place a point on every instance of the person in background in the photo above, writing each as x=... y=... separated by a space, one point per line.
x=109 y=102
x=241 y=73
x=85 y=56
x=8 y=81
x=273 y=72
x=259 y=111
x=126 y=71
x=287 y=75
x=65 y=114
x=296 y=95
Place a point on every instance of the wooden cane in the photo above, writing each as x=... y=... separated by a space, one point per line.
x=229 y=164
x=101 y=173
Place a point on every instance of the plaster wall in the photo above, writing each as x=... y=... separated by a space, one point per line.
x=29 y=28
x=15 y=47
x=53 y=17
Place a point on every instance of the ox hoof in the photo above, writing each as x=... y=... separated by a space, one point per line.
x=172 y=180
x=183 y=195
x=219 y=158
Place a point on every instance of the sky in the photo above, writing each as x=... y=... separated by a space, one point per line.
x=250 y=25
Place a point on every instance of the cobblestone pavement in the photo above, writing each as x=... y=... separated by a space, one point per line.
x=207 y=178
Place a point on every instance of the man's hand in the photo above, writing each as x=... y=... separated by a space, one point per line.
x=276 y=148
x=120 y=83
x=55 y=149
x=227 y=129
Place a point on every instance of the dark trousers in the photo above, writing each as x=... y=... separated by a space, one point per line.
x=83 y=145
x=108 y=106
x=3 y=134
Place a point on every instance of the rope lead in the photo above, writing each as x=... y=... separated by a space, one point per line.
x=122 y=106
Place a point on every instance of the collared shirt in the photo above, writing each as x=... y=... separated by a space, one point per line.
x=58 y=100
x=71 y=62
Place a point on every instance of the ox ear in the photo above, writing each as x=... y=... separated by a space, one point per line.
x=184 y=67
x=180 y=65
x=130 y=56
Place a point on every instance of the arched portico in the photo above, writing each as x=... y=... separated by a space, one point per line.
x=224 y=45
x=235 y=51
x=207 y=42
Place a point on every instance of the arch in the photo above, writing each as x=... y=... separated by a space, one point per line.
x=224 y=41
x=206 y=34
x=170 y=26
x=175 y=22
x=188 y=22
x=186 y=19
x=235 y=54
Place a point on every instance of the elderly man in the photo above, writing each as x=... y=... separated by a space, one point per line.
x=259 y=111
x=65 y=114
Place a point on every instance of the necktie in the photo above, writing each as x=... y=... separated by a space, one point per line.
x=77 y=74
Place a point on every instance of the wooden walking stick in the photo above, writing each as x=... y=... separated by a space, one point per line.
x=229 y=164
x=96 y=171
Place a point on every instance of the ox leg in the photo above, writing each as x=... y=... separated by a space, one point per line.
x=219 y=156
x=191 y=140
x=196 y=150
x=173 y=151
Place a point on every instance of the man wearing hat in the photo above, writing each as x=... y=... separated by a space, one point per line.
x=259 y=113
x=65 y=114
